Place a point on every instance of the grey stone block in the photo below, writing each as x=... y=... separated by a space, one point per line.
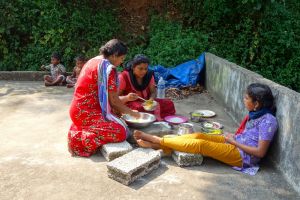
x=187 y=159
x=112 y=151
x=133 y=165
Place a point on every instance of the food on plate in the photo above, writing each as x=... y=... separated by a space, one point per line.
x=149 y=105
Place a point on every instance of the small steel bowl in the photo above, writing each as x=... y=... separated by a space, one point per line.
x=185 y=128
x=145 y=120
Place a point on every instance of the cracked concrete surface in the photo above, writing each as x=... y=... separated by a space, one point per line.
x=35 y=162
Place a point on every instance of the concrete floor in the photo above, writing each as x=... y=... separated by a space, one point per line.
x=35 y=162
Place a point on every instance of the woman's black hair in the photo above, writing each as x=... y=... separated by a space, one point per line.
x=56 y=55
x=262 y=94
x=113 y=47
x=138 y=59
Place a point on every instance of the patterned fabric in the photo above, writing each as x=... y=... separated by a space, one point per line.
x=262 y=128
x=90 y=129
x=248 y=170
x=104 y=70
x=56 y=70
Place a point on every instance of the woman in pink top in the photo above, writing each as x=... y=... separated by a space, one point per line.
x=137 y=80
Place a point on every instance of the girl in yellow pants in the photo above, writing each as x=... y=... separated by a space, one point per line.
x=197 y=143
x=245 y=149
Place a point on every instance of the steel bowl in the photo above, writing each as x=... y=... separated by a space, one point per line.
x=185 y=128
x=145 y=120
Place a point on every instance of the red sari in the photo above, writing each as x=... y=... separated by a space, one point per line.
x=89 y=129
x=165 y=106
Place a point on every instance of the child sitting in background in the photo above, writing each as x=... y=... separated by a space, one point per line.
x=71 y=80
x=57 y=70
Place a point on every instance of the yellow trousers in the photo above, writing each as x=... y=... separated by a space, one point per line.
x=213 y=146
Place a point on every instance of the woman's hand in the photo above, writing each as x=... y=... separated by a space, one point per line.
x=135 y=114
x=132 y=96
x=119 y=106
x=229 y=138
x=259 y=151
x=43 y=67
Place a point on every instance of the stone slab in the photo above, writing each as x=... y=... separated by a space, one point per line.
x=112 y=151
x=187 y=159
x=133 y=165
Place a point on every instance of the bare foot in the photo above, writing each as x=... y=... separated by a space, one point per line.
x=137 y=134
x=147 y=137
x=143 y=143
x=146 y=144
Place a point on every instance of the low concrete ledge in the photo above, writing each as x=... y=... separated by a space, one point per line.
x=227 y=82
x=24 y=75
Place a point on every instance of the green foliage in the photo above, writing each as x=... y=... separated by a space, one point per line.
x=262 y=36
x=279 y=49
x=170 y=44
x=34 y=29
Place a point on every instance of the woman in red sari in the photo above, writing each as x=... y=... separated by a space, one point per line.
x=137 y=80
x=95 y=98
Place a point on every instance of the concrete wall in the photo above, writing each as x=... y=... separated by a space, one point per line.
x=24 y=75
x=227 y=82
